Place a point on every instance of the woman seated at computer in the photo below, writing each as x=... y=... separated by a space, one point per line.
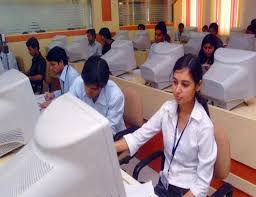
x=106 y=37
x=160 y=35
x=95 y=89
x=206 y=53
x=189 y=144
x=58 y=62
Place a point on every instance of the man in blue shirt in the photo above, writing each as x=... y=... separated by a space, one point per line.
x=58 y=62
x=95 y=89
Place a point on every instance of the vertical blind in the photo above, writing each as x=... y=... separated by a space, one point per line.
x=134 y=12
x=19 y=17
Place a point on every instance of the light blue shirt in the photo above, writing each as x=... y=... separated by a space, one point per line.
x=11 y=61
x=110 y=102
x=66 y=78
x=1 y=68
x=95 y=49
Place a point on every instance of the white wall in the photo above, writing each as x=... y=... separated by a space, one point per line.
x=247 y=12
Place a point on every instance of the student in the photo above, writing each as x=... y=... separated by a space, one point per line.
x=106 y=38
x=206 y=53
x=141 y=27
x=94 y=88
x=253 y=24
x=205 y=28
x=249 y=30
x=7 y=58
x=58 y=62
x=214 y=29
x=161 y=33
x=94 y=48
x=179 y=33
x=37 y=70
x=189 y=144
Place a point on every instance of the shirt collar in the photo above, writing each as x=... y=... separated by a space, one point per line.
x=195 y=114
x=102 y=99
x=63 y=74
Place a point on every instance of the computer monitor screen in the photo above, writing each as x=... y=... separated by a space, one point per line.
x=185 y=36
x=71 y=155
x=242 y=41
x=120 y=57
x=158 y=67
x=60 y=41
x=141 y=40
x=19 y=111
x=231 y=79
x=78 y=50
x=121 y=35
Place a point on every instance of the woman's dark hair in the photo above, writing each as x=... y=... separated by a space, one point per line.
x=181 y=25
x=105 y=33
x=57 y=54
x=191 y=63
x=141 y=27
x=215 y=27
x=95 y=72
x=33 y=42
x=208 y=39
x=162 y=27
x=253 y=24
x=92 y=32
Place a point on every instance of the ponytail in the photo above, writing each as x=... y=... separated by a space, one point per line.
x=203 y=102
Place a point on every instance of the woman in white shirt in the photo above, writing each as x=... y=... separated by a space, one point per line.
x=189 y=144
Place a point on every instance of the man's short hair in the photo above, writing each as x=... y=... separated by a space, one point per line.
x=33 y=42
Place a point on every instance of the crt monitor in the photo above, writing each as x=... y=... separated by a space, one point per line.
x=194 y=43
x=122 y=35
x=158 y=67
x=78 y=50
x=59 y=40
x=242 y=41
x=71 y=155
x=141 y=40
x=231 y=79
x=19 y=111
x=185 y=36
x=120 y=57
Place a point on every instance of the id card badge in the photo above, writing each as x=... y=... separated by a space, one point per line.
x=164 y=180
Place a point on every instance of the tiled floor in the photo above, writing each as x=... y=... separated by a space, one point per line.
x=146 y=174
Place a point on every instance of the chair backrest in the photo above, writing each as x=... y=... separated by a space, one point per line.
x=133 y=108
x=20 y=63
x=223 y=161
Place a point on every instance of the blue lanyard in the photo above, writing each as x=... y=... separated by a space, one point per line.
x=175 y=146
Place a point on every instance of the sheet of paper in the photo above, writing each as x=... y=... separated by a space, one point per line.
x=140 y=190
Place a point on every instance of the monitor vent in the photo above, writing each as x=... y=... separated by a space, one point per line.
x=6 y=148
x=11 y=136
x=21 y=176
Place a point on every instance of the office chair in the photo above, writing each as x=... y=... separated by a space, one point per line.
x=221 y=167
x=133 y=117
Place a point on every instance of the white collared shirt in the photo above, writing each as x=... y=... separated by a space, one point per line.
x=95 y=49
x=66 y=78
x=11 y=63
x=193 y=163
x=110 y=102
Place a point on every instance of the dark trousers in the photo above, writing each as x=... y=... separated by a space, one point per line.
x=172 y=191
